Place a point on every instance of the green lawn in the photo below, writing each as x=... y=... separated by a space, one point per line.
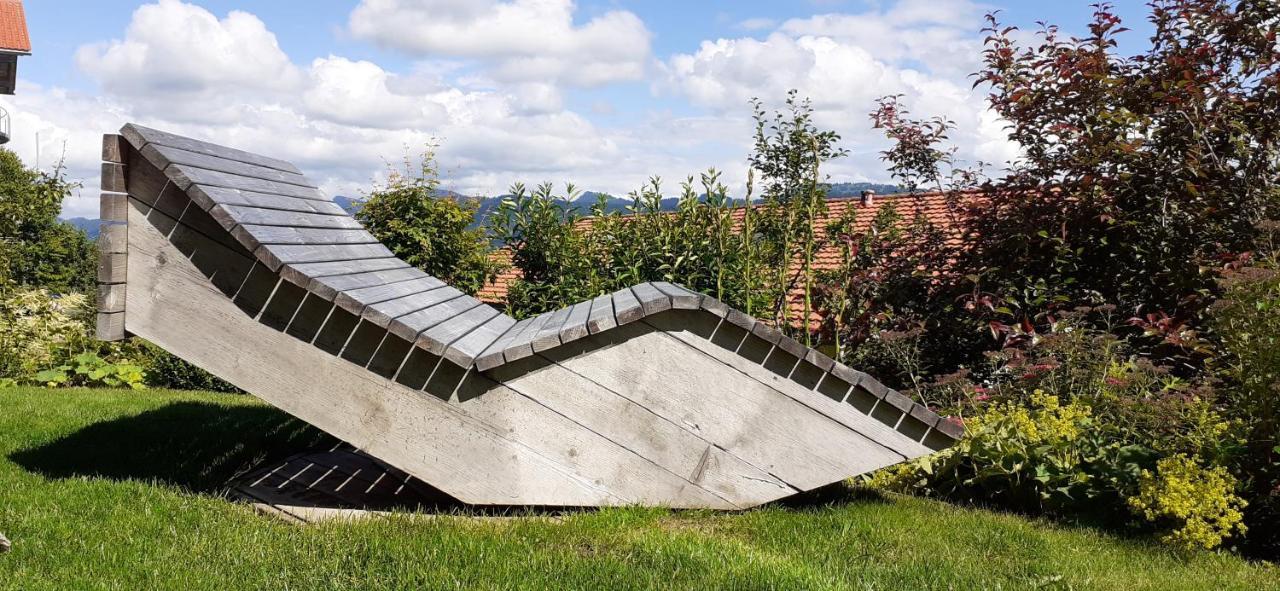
x=104 y=489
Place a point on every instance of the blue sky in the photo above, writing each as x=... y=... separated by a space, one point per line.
x=602 y=93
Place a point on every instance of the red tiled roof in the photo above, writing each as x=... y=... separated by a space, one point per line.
x=13 y=27
x=935 y=207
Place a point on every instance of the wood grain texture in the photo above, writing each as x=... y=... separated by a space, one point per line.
x=384 y=313
x=275 y=256
x=111 y=297
x=208 y=196
x=328 y=287
x=231 y=216
x=113 y=177
x=113 y=148
x=113 y=207
x=651 y=300
x=355 y=300
x=626 y=308
x=681 y=298
x=492 y=355
x=601 y=317
x=113 y=238
x=185 y=176
x=140 y=136
x=162 y=156
x=408 y=327
x=436 y=340
x=111 y=267
x=465 y=350
x=302 y=274
x=549 y=335
x=110 y=327
x=575 y=326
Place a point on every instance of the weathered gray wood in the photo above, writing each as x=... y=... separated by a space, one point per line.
x=714 y=306
x=186 y=176
x=651 y=300
x=492 y=355
x=113 y=148
x=793 y=347
x=681 y=297
x=521 y=344
x=467 y=349
x=354 y=301
x=111 y=267
x=436 y=340
x=575 y=326
x=232 y=215
x=140 y=136
x=549 y=335
x=301 y=274
x=382 y=313
x=601 y=317
x=408 y=327
x=819 y=359
x=275 y=256
x=113 y=237
x=209 y=196
x=113 y=207
x=328 y=287
x=110 y=297
x=252 y=236
x=113 y=178
x=626 y=308
x=162 y=156
x=741 y=320
x=110 y=327
x=766 y=332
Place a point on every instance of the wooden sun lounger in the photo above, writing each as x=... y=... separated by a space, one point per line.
x=653 y=395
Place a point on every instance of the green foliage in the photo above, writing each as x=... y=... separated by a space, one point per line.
x=1200 y=503
x=35 y=248
x=89 y=370
x=427 y=230
x=166 y=370
x=39 y=331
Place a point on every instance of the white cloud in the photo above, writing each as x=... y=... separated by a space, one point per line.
x=522 y=40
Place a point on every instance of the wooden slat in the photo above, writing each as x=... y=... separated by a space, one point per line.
x=301 y=274
x=438 y=338
x=232 y=215
x=355 y=300
x=819 y=359
x=766 y=332
x=162 y=156
x=113 y=207
x=140 y=136
x=410 y=326
x=601 y=317
x=328 y=287
x=113 y=180
x=111 y=267
x=185 y=176
x=626 y=308
x=793 y=346
x=575 y=327
x=275 y=256
x=651 y=300
x=681 y=297
x=113 y=237
x=521 y=345
x=549 y=335
x=382 y=314
x=714 y=306
x=492 y=355
x=110 y=327
x=208 y=196
x=252 y=236
x=111 y=297
x=113 y=148
x=465 y=350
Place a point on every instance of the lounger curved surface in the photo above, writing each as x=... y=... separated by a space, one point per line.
x=653 y=395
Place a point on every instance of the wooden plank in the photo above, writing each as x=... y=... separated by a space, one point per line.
x=186 y=176
x=163 y=156
x=113 y=238
x=601 y=316
x=651 y=300
x=140 y=136
x=575 y=326
x=232 y=215
x=682 y=298
x=113 y=148
x=465 y=350
x=110 y=327
x=276 y=256
x=113 y=207
x=819 y=360
x=492 y=355
x=549 y=335
x=252 y=236
x=521 y=344
x=727 y=408
x=208 y=196
x=472 y=459
x=111 y=297
x=408 y=327
x=328 y=287
x=113 y=178
x=436 y=340
x=383 y=313
x=714 y=306
x=354 y=301
x=111 y=267
x=626 y=308
x=301 y=274
x=792 y=346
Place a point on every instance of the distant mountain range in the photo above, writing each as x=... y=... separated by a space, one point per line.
x=583 y=203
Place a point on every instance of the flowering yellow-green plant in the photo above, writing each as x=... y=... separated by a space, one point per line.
x=1199 y=501
x=37 y=328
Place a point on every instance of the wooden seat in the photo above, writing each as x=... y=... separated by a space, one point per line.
x=652 y=395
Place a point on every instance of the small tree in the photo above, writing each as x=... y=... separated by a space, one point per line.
x=426 y=229
x=36 y=249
